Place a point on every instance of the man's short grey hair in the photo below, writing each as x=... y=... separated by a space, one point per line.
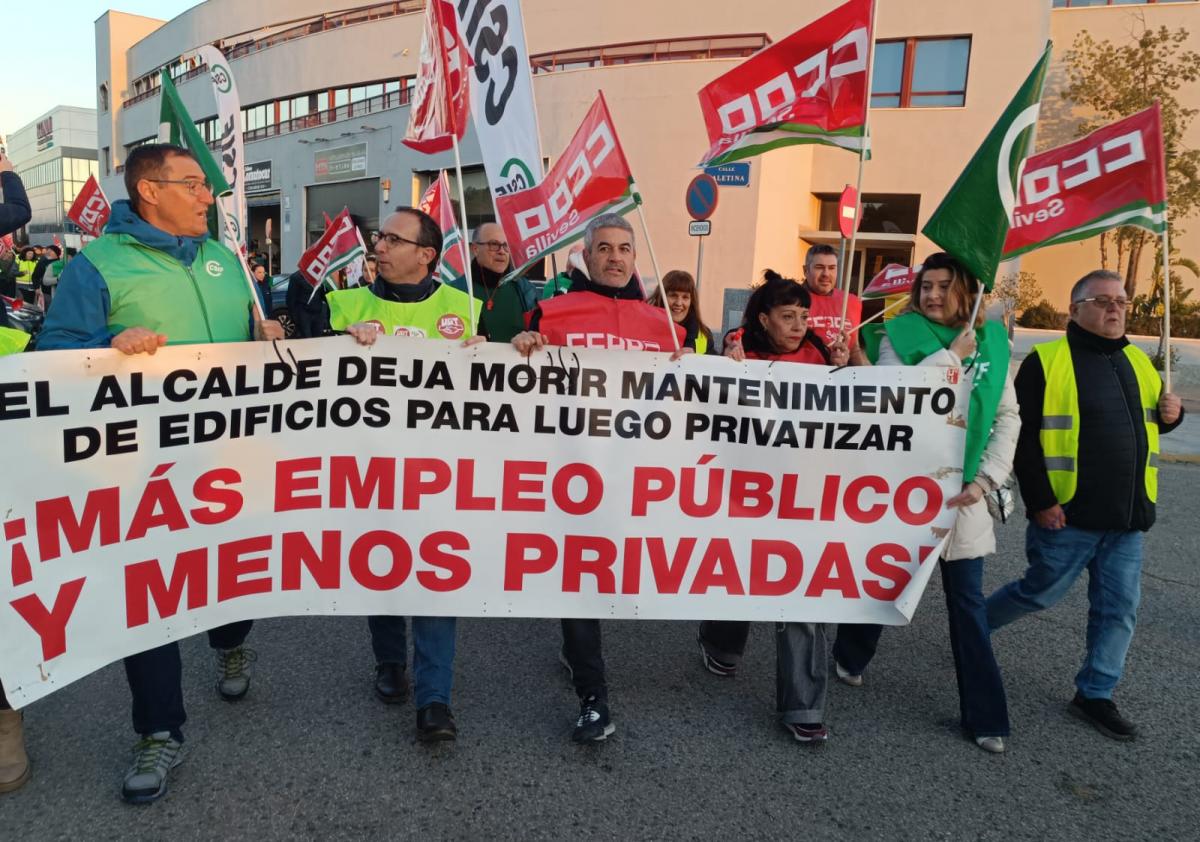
x=605 y=220
x=1080 y=290
x=475 y=231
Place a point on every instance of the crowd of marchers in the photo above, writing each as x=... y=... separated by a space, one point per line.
x=1077 y=425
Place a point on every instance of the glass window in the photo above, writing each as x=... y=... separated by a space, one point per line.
x=358 y=94
x=374 y=91
x=341 y=97
x=883 y=213
x=939 y=75
x=888 y=74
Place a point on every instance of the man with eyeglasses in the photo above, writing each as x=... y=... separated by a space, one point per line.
x=405 y=300
x=155 y=278
x=505 y=303
x=1092 y=410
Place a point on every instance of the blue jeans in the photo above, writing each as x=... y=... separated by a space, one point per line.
x=982 y=705
x=1056 y=558
x=433 y=653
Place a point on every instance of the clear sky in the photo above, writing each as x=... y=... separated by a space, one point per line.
x=49 y=53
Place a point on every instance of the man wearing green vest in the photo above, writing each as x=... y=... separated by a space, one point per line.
x=155 y=278
x=405 y=300
x=1092 y=409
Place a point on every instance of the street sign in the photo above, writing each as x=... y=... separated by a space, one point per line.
x=701 y=197
x=731 y=175
x=699 y=228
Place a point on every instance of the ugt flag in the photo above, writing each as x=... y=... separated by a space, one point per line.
x=972 y=222
x=176 y=126
x=591 y=177
x=436 y=202
x=90 y=210
x=811 y=87
x=438 y=116
x=1114 y=176
x=340 y=245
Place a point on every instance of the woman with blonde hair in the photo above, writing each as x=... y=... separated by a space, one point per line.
x=934 y=331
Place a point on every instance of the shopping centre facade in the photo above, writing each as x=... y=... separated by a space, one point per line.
x=325 y=96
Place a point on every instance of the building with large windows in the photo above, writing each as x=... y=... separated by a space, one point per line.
x=325 y=93
x=54 y=155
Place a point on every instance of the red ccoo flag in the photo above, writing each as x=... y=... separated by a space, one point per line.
x=90 y=210
x=894 y=279
x=339 y=245
x=441 y=101
x=436 y=202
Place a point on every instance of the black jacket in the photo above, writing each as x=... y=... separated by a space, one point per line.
x=1111 y=491
x=15 y=211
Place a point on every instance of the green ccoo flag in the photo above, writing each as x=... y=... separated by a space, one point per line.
x=972 y=221
x=175 y=126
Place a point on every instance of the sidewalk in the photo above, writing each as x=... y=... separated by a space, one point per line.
x=1184 y=443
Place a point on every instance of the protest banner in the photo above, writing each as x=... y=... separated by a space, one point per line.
x=810 y=87
x=229 y=145
x=164 y=495
x=591 y=177
x=502 y=94
x=90 y=210
x=1114 y=176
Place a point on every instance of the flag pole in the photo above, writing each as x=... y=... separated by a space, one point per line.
x=1166 y=325
x=462 y=214
x=880 y=314
x=862 y=157
x=246 y=274
x=657 y=273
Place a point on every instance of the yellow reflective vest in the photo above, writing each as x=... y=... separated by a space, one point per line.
x=444 y=315
x=12 y=341
x=1060 y=416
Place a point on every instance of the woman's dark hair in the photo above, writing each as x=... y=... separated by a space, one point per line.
x=776 y=291
x=962 y=285
x=677 y=280
x=28 y=250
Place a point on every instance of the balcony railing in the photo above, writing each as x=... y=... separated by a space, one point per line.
x=234 y=49
x=639 y=52
x=392 y=99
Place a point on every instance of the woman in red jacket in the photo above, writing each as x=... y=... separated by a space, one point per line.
x=775 y=327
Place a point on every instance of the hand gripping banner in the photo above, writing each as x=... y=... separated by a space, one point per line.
x=164 y=495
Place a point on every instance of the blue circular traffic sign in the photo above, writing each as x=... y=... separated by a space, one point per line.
x=701 y=197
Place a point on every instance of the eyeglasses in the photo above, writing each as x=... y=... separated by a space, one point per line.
x=193 y=185
x=494 y=245
x=394 y=240
x=1104 y=302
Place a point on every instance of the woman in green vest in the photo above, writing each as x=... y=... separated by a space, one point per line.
x=934 y=331
x=684 y=306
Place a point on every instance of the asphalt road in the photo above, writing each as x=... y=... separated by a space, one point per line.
x=311 y=754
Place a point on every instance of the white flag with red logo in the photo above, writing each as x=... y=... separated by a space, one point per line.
x=1115 y=176
x=340 y=245
x=811 y=87
x=591 y=177
x=436 y=202
x=440 y=102
x=90 y=210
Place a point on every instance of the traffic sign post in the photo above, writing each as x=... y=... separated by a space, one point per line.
x=700 y=200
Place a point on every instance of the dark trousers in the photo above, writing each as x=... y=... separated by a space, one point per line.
x=4 y=705
x=982 y=704
x=725 y=640
x=156 y=681
x=582 y=647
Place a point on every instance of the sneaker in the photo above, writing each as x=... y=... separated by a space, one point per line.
x=435 y=723
x=594 y=724
x=992 y=745
x=233 y=672
x=808 y=732
x=846 y=677
x=1103 y=714
x=725 y=669
x=154 y=756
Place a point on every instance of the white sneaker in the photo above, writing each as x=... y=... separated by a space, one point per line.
x=992 y=745
x=847 y=677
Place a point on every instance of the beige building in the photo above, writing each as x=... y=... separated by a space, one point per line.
x=323 y=86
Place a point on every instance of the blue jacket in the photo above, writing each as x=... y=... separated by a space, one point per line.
x=15 y=211
x=78 y=316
